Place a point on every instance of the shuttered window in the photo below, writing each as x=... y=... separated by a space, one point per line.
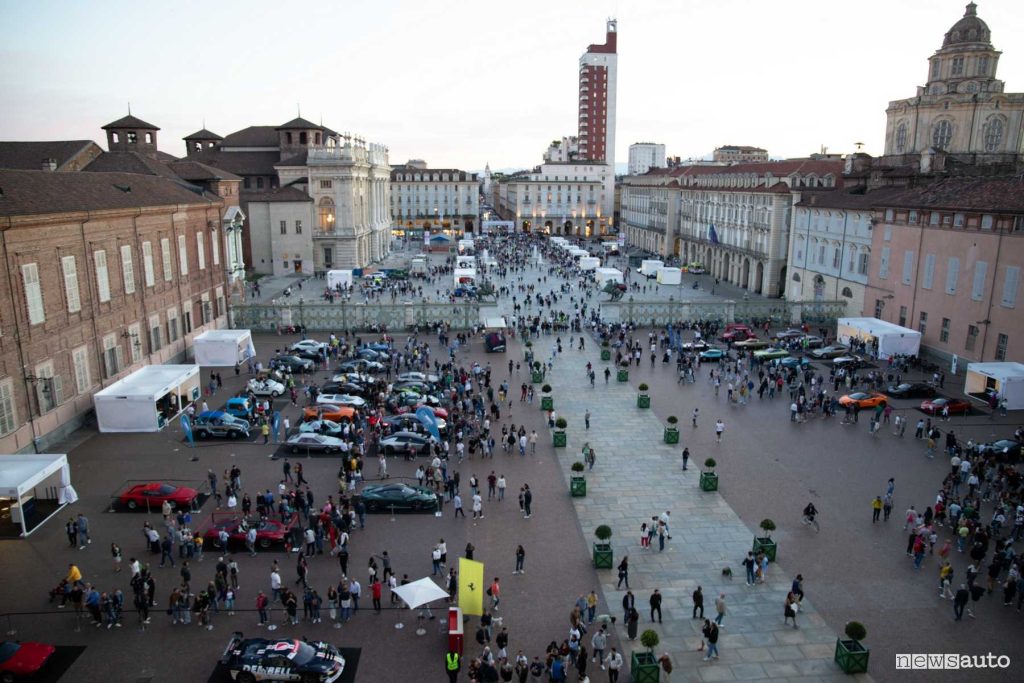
x=952 y=273
x=70 y=268
x=1010 y=284
x=929 y=272
x=182 y=255
x=127 y=269
x=99 y=259
x=908 y=267
x=165 y=254
x=33 y=294
x=978 y=286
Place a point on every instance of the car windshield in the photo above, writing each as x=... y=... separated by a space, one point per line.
x=8 y=650
x=304 y=654
x=940 y=401
x=903 y=387
x=165 y=489
x=858 y=396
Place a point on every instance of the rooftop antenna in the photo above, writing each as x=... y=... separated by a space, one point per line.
x=298 y=108
x=859 y=146
x=129 y=108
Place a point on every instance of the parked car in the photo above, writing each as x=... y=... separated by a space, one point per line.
x=418 y=387
x=771 y=354
x=831 y=351
x=151 y=496
x=239 y=407
x=312 y=442
x=1004 y=449
x=438 y=411
x=328 y=411
x=791 y=333
x=355 y=377
x=359 y=365
x=937 y=406
x=289 y=659
x=291 y=363
x=265 y=387
x=863 y=400
x=695 y=345
x=327 y=427
x=494 y=342
x=345 y=388
x=399 y=442
x=219 y=424
x=377 y=346
x=793 y=362
x=737 y=335
x=397 y=496
x=20 y=661
x=341 y=400
x=713 y=355
x=915 y=390
x=752 y=343
x=418 y=377
x=269 y=532
x=850 y=362
x=371 y=355
x=408 y=422
x=811 y=341
x=310 y=345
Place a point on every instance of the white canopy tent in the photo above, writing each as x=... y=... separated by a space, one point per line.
x=650 y=266
x=223 y=348
x=890 y=339
x=464 y=276
x=1005 y=379
x=339 y=278
x=419 y=593
x=147 y=399
x=669 y=276
x=604 y=275
x=589 y=263
x=20 y=478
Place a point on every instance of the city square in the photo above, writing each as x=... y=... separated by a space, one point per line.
x=286 y=407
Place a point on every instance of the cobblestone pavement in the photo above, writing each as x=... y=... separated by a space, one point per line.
x=636 y=477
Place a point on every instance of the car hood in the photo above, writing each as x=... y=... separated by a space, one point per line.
x=29 y=657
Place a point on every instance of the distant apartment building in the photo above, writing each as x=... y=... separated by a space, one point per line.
x=445 y=199
x=739 y=154
x=644 y=156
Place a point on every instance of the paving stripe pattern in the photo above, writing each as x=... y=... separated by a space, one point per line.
x=637 y=476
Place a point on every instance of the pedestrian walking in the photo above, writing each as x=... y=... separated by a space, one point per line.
x=698 y=603
x=720 y=610
x=719 y=428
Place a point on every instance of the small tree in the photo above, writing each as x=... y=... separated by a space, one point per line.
x=604 y=344
x=710 y=463
x=536 y=366
x=577 y=466
x=561 y=423
x=672 y=420
x=603 y=533
x=768 y=526
x=644 y=387
x=546 y=388
x=856 y=631
x=650 y=639
x=529 y=344
x=625 y=364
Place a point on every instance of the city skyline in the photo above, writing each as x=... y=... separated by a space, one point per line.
x=458 y=86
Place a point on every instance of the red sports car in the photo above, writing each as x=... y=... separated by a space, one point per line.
x=268 y=532
x=152 y=496
x=21 y=660
x=936 y=406
x=737 y=335
x=438 y=412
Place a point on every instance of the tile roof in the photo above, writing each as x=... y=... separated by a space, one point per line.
x=203 y=134
x=281 y=194
x=129 y=162
x=979 y=194
x=191 y=170
x=299 y=123
x=130 y=122
x=253 y=136
x=29 y=155
x=295 y=160
x=240 y=163
x=856 y=199
x=40 y=192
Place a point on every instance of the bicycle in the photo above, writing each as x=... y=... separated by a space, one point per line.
x=811 y=521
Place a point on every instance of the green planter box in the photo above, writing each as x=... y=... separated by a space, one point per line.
x=767 y=545
x=558 y=439
x=603 y=556
x=536 y=377
x=606 y=354
x=547 y=402
x=622 y=376
x=578 y=487
x=851 y=656
x=708 y=481
x=643 y=401
x=671 y=435
x=644 y=668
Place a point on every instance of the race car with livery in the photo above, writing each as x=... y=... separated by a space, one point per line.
x=256 y=659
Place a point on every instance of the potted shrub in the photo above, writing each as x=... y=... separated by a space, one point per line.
x=644 y=667
x=528 y=352
x=623 y=374
x=708 y=478
x=536 y=375
x=547 y=401
x=671 y=431
x=643 y=399
x=577 y=482
x=851 y=655
x=606 y=352
x=765 y=543
x=558 y=438
x=603 y=549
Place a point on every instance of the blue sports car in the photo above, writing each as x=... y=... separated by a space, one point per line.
x=712 y=355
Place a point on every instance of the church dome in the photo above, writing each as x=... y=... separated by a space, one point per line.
x=970 y=29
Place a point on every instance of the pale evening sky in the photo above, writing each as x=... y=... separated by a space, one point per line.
x=463 y=82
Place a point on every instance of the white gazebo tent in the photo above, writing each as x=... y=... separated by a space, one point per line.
x=147 y=399
x=223 y=348
x=890 y=339
x=419 y=593
x=20 y=479
x=1005 y=379
x=604 y=275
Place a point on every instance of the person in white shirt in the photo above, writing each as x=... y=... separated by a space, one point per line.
x=719 y=428
x=478 y=506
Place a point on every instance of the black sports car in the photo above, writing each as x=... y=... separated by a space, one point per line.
x=916 y=390
x=257 y=659
x=384 y=497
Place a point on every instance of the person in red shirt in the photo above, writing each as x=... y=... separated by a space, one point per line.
x=375 y=591
x=495 y=592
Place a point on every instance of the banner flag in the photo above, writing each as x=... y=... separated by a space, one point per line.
x=471 y=586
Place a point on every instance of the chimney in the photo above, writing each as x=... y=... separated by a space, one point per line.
x=49 y=165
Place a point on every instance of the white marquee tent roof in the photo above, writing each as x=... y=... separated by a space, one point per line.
x=151 y=381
